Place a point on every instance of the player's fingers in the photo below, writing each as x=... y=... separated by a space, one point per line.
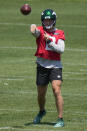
x=33 y=28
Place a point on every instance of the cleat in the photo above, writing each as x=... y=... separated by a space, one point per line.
x=39 y=117
x=60 y=123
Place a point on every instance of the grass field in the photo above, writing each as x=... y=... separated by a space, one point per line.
x=18 y=94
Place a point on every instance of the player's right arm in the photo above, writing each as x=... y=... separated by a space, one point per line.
x=34 y=30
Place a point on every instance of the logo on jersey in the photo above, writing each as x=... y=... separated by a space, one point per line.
x=56 y=33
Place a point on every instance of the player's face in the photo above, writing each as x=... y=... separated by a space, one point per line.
x=47 y=22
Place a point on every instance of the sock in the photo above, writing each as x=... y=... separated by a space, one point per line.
x=42 y=111
x=60 y=118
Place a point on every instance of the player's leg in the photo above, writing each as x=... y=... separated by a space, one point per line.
x=41 y=97
x=56 y=86
x=42 y=82
x=56 y=81
x=41 y=102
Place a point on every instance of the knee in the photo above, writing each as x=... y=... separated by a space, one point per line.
x=56 y=92
x=56 y=89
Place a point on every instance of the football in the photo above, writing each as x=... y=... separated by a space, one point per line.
x=25 y=9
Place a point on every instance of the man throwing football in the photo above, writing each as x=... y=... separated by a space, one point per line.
x=50 y=46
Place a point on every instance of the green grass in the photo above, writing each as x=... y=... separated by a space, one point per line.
x=18 y=94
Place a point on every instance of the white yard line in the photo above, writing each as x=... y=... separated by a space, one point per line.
x=76 y=49
x=13 y=24
x=83 y=70
x=34 y=129
x=10 y=79
x=6 y=128
x=50 y=111
x=75 y=64
x=34 y=48
x=22 y=78
x=25 y=24
x=16 y=47
x=76 y=73
x=43 y=129
x=35 y=92
x=76 y=79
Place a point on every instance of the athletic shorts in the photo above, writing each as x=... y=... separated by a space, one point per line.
x=46 y=75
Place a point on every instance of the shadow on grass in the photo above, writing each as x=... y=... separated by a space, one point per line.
x=18 y=127
x=31 y=123
x=42 y=123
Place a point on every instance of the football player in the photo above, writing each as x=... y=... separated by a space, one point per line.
x=50 y=45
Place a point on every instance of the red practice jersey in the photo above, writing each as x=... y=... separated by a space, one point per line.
x=42 y=46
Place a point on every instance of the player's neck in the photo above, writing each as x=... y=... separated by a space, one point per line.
x=50 y=30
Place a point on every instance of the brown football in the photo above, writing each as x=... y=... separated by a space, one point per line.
x=25 y=9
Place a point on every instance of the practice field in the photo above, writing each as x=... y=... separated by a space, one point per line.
x=18 y=93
